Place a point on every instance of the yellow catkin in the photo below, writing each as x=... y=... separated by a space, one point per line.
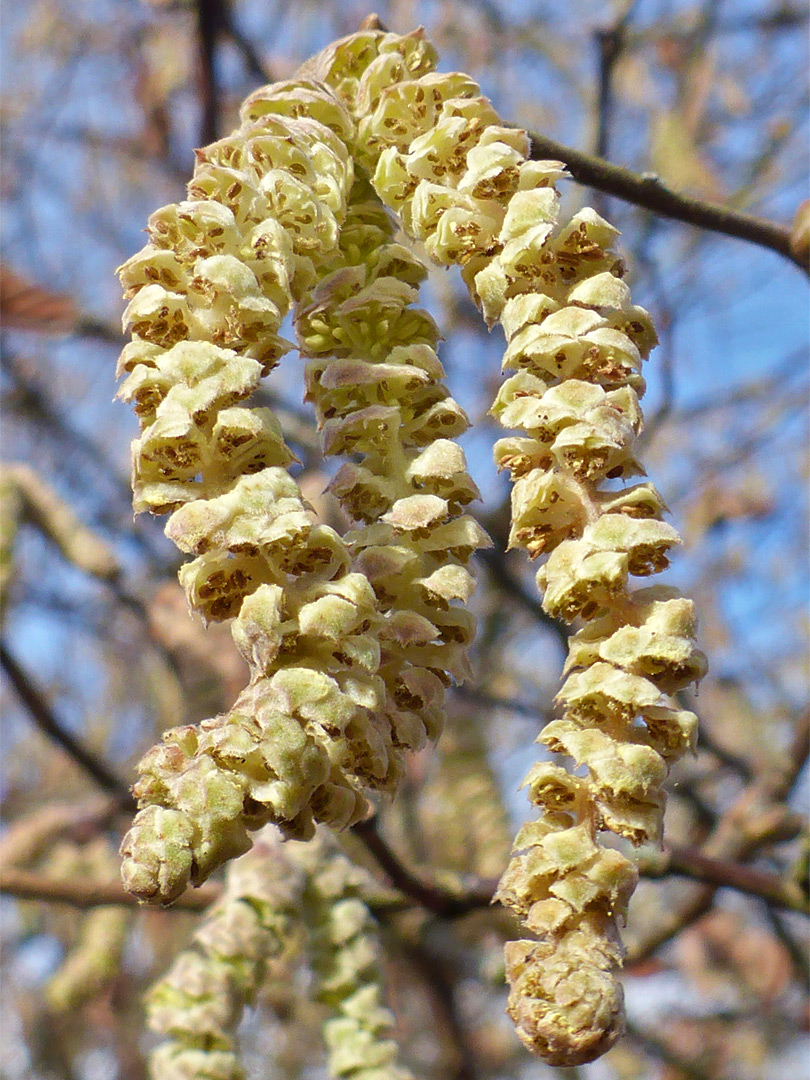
x=376 y=382
x=206 y=299
x=463 y=184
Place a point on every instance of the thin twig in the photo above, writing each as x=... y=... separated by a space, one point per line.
x=209 y=23
x=449 y=905
x=681 y=861
x=754 y=819
x=441 y=986
x=495 y=562
x=80 y=893
x=654 y=1046
x=647 y=190
x=691 y=863
x=45 y=719
x=610 y=42
x=796 y=950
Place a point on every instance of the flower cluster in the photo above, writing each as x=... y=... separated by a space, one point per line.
x=345 y=958
x=198 y=1004
x=463 y=184
x=351 y=641
x=375 y=380
x=208 y=294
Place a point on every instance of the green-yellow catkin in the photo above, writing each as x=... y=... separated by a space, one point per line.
x=345 y=956
x=208 y=294
x=376 y=382
x=199 y=1003
x=94 y=959
x=464 y=185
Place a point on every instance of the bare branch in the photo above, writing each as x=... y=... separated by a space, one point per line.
x=647 y=190
x=691 y=863
x=80 y=893
x=449 y=905
x=46 y=721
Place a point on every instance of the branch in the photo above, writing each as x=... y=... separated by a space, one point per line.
x=26 y=838
x=610 y=43
x=209 y=23
x=647 y=190
x=691 y=863
x=682 y=862
x=657 y=1048
x=45 y=719
x=756 y=818
x=443 y=902
x=441 y=987
x=80 y=893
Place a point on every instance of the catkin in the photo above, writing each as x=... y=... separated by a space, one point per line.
x=345 y=955
x=376 y=382
x=207 y=296
x=199 y=1003
x=463 y=184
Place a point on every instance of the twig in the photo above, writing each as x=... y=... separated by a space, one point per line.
x=253 y=62
x=29 y=836
x=691 y=863
x=46 y=720
x=209 y=22
x=449 y=905
x=495 y=562
x=681 y=861
x=658 y=1049
x=80 y=893
x=492 y=701
x=610 y=42
x=754 y=819
x=440 y=984
x=797 y=951
x=647 y=190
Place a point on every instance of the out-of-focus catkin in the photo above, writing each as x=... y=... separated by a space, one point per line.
x=199 y=1003
x=93 y=959
x=345 y=955
x=464 y=185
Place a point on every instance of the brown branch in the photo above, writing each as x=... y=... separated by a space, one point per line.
x=46 y=721
x=756 y=818
x=690 y=863
x=80 y=893
x=610 y=42
x=647 y=190
x=209 y=23
x=432 y=897
x=29 y=836
x=681 y=861
x=657 y=1048
x=441 y=986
